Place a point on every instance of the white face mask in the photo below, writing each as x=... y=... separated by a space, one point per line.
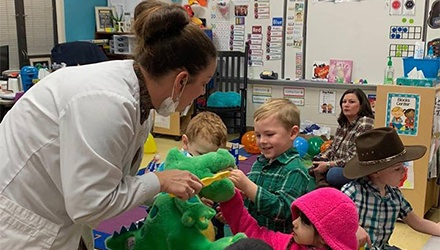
x=186 y=110
x=168 y=106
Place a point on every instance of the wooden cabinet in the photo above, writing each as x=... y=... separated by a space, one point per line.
x=174 y=125
x=424 y=193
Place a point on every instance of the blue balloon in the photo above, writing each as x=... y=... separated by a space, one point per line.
x=301 y=145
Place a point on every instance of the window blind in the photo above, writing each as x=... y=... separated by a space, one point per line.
x=8 y=31
x=39 y=28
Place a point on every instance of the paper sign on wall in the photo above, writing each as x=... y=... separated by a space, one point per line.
x=327 y=102
x=260 y=98
x=289 y=91
x=402 y=113
x=260 y=90
x=162 y=121
x=296 y=101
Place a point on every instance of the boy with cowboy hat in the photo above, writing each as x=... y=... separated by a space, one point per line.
x=378 y=168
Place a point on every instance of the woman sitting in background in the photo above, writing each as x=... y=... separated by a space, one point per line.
x=355 y=118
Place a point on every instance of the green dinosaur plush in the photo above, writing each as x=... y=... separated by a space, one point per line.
x=174 y=224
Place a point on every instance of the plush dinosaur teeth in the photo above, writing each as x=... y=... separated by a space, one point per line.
x=133 y=227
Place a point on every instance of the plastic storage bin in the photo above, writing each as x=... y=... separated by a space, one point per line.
x=429 y=67
x=416 y=82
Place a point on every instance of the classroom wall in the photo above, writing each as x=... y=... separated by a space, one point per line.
x=310 y=110
x=79 y=19
x=365 y=41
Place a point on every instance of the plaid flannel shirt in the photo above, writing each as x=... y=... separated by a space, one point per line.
x=343 y=147
x=377 y=214
x=279 y=184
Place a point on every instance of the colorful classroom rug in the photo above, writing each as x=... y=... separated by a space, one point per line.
x=106 y=228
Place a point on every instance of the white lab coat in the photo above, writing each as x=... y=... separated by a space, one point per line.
x=68 y=151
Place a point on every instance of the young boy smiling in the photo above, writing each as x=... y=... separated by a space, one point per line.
x=278 y=176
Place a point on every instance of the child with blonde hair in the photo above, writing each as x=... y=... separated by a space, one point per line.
x=322 y=219
x=278 y=176
x=205 y=133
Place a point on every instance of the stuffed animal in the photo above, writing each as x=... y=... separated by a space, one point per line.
x=197 y=21
x=176 y=224
x=228 y=99
x=190 y=9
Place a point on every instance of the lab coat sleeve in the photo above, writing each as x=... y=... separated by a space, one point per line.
x=96 y=131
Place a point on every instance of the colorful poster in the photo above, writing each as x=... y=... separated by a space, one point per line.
x=436 y=123
x=241 y=10
x=327 y=102
x=320 y=71
x=372 y=101
x=298 y=65
x=408 y=179
x=402 y=113
x=340 y=71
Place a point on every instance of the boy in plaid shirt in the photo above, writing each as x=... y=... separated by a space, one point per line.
x=278 y=176
x=378 y=168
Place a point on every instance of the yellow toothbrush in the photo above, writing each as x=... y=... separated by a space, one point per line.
x=209 y=180
x=218 y=176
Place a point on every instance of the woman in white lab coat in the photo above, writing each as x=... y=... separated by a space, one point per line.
x=70 y=147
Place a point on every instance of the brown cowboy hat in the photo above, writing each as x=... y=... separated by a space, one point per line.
x=378 y=149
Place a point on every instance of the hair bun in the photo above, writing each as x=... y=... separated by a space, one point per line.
x=161 y=21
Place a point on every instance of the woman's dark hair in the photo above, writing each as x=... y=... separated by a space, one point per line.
x=364 y=109
x=166 y=40
x=249 y=244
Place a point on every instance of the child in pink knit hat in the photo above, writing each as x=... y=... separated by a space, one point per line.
x=324 y=219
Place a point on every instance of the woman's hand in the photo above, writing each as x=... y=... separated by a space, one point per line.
x=180 y=183
x=321 y=166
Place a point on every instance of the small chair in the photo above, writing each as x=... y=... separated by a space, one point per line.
x=78 y=52
x=231 y=76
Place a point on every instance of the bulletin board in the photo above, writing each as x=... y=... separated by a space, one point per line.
x=364 y=31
